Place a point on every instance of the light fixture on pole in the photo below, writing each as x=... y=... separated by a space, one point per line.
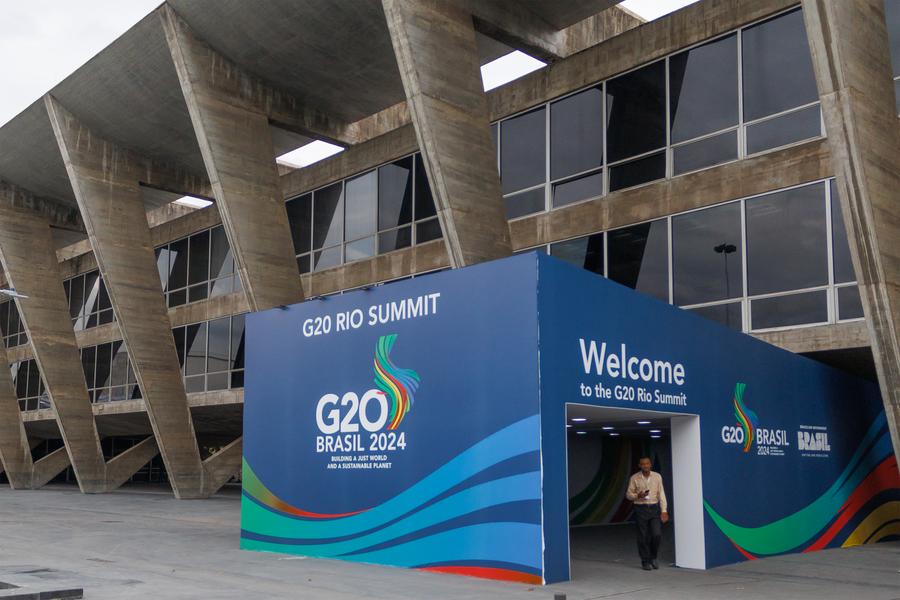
x=12 y=293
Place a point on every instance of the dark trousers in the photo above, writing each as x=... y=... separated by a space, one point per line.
x=649 y=530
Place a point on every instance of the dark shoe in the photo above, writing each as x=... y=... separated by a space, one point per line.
x=654 y=564
x=645 y=566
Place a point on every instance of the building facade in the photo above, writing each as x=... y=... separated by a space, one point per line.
x=734 y=158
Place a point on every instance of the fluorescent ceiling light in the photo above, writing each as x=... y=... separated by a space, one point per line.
x=614 y=434
x=193 y=202
x=567 y=425
x=607 y=428
x=507 y=68
x=655 y=437
x=654 y=9
x=643 y=422
x=578 y=419
x=655 y=431
x=308 y=154
x=581 y=432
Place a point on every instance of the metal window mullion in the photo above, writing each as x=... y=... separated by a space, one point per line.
x=670 y=260
x=745 y=276
x=833 y=307
x=603 y=128
x=547 y=187
x=742 y=137
x=668 y=102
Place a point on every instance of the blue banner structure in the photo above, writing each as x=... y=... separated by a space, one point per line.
x=422 y=424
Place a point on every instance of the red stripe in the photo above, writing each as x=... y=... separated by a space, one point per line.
x=746 y=554
x=487 y=573
x=884 y=477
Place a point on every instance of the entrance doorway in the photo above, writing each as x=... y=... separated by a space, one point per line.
x=602 y=450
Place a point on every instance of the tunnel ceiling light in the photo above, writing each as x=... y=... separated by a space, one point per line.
x=581 y=432
x=655 y=431
x=614 y=434
x=608 y=428
x=567 y=425
x=655 y=437
x=578 y=419
x=643 y=422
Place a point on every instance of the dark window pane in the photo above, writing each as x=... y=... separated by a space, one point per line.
x=104 y=362
x=328 y=216
x=840 y=247
x=705 y=153
x=778 y=72
x=892 y=17
x=525 y=203
x=116 y=394
x=77 y=296
x=178 y=335
x=199 y=261
x=198 y=292
x=194 y=384
x=394 y=239
x=785 y=311
x=522 y=150
x=575 y=190
x=327 y=258
x=195 y=343
x=221 y=260
x=299 y=211
x=177 y=298
x=135 y=393
x=22 y=379
x=103 y=297
x=395 y=193
x=162 y=265
x=636 y=112
x=576 y=133
x=237 y=342
x=428 y=230
x=636 y=172
x=178 y=264
x=88 y=360
x=217 y=381
x=361 y=197
x=786 y=129
x=119 y=375
x=105 y=317
x=706 y=255
x=585 y=252
x=218 y=356
x=13 y=323
x=237 y=379
x=638 y=258
x=34 y=379
x=849 y=303
x=424 y=202
x=786 y=243
x=360 y=249
x=92 y=291
x=303 y=264
x=4 y=317
x=704 y=89
x=132 y=378
x=728 y=315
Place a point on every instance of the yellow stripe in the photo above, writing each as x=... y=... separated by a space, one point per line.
x=889 y=511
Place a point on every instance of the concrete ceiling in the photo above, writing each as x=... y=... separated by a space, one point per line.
x=334 y=56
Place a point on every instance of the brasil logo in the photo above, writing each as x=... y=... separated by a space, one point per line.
x=397 y=383
x=746 y=418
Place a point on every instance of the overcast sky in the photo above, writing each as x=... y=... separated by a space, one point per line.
x=43 y=41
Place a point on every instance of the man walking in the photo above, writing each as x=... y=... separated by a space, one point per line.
x=645 y=490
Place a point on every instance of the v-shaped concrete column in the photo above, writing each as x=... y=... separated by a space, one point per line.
x=852 y=61
x=450 y=113
x=232 y=129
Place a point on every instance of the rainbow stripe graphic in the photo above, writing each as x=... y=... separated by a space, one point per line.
x=746 y=418
x=861 y=507
x=399 y=384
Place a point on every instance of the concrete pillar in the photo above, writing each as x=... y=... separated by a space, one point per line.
x=851 y=57
x=236 y=143
x=29 y=259
x=105 y=181
x=15 y=452
x=450 y=112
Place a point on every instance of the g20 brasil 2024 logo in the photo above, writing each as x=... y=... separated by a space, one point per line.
x=769 y=442
x=339 y=418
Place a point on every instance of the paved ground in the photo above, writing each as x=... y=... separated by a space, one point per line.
x=145 y=544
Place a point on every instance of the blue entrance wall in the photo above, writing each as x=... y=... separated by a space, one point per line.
x=458 y=462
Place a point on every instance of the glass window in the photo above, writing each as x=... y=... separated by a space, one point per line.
x=703 y=88
x=162 y=265
x=395 y=193
x=328 y=216
x=585 y=252
x=218 y=358
x=778 y=71
x=195 y=344
x=892 y=17
x=178 y=335
x=91 y=295
x=221 y=260
x=728 y=315
x=327 y=258
x=360 y=249
x=705 y=153
x=104 y=364
x=849 y=303
x=394 y=239
x=639 y=258
x=361 y=197
x=21 y=378
x=576 y=133
x=787 y=129
x=577 y=189
x=34 y=379
x=522 y=150
x=178 y=265
x=299 y=211
x=88 y=361
x=424 y=202
x=237 y=342
x=785 y=311
x=636 y=172
x=198 y=270
x=119 y=372
x=525 y=203
x=786 y=243
x=428 y=230
x=840 y=247
x=636 y=112
x=706 y=255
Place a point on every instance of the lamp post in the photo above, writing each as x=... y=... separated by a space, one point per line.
x=725 y=249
